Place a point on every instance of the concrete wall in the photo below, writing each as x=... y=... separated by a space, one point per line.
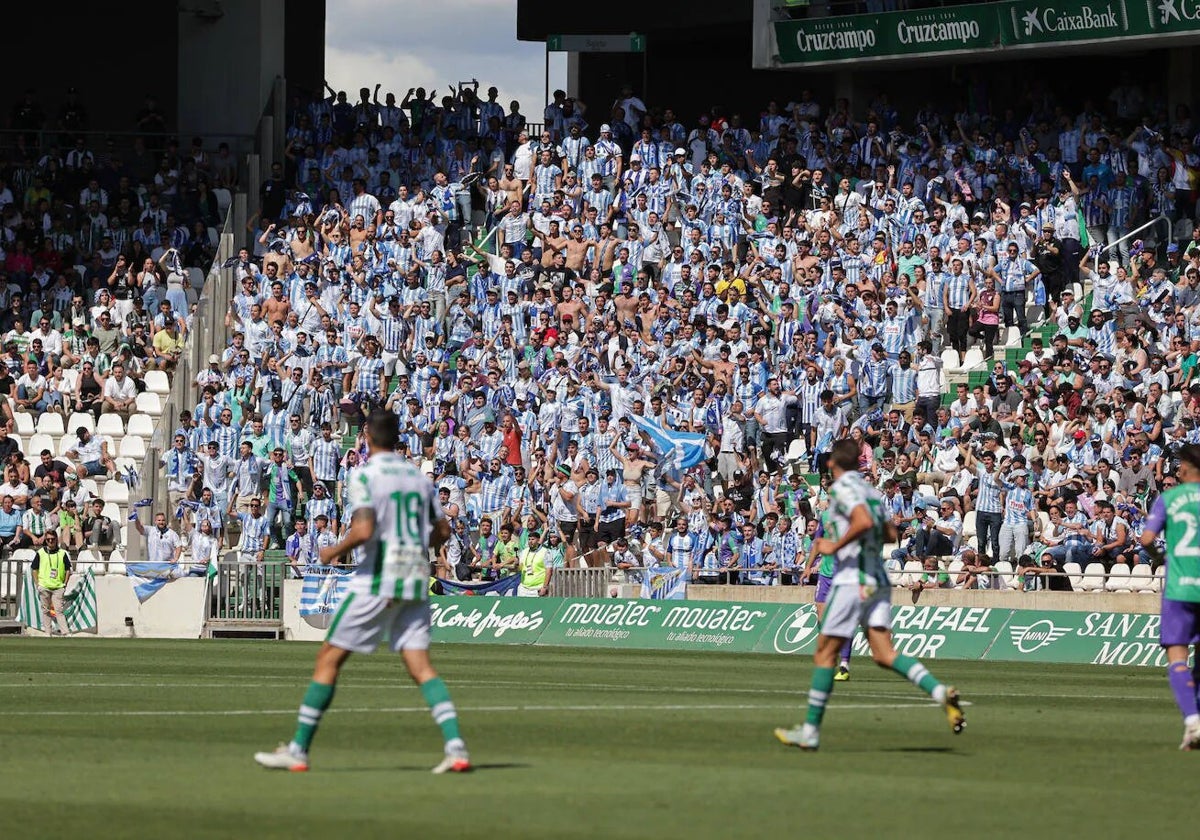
x=227 y=65
x=1071 y=601
x=175 y=612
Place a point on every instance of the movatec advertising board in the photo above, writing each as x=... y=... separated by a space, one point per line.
x=663 y=625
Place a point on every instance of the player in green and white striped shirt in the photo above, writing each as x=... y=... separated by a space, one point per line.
x=396 y=519
x=856 y=528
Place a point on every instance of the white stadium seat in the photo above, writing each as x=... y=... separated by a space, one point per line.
x=157 y=382
x=83 y=419
x=115 y=492
x=1005 y=577
x=148 y=403
x=950 y=359
x=36 y=444
x=111 y=425
x=1141 y=578
x=1074 y=574
x=954 y=570
x=87 y=560
x=1159 y=575
x=1093 y=578
x=51 y=424
x=24 y=421
x=1118 y=578
x=132 y=446
x=113 y=512
x=968 y=529
x=224 y=199
x=912 y=572
x=141 y=425
x=974 y=358
x=116 y=562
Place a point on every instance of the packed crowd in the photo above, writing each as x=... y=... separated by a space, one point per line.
x=531 y=304
x=94 y=298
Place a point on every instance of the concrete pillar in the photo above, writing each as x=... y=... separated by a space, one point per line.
x=1183 y=64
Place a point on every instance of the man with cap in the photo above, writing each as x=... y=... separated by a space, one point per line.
x=1020 y=516
x=211 y=375
x=1046 y=254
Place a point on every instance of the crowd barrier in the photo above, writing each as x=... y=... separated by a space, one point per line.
x=928 y=632
x=243 y=596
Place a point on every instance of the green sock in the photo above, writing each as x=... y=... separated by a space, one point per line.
x=916 y=673
x=818 y=694
x=316 y=701
x=437 y=697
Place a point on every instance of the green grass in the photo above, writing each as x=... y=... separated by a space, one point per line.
x=574 y=743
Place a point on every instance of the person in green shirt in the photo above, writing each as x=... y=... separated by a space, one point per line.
x=504 y=559
x=1174 y=517
x=932 y=577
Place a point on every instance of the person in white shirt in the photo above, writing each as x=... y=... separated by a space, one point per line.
x=204 y=548
x=120 y=394
x=91 y=453
x=162 y=544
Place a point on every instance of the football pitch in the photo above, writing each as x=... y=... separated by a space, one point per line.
x=137 y=738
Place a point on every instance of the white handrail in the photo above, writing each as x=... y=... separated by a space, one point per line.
x=1161 y=218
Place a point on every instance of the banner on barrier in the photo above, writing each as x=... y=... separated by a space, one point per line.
x=1097 y=638
x=926 y=632
x=683 y=625
x=516 y=621
x=923 y=632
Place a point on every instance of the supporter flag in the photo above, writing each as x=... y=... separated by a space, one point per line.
x=686 y=448
x=79 y=604
x=503 y=586
x=149 y=577
x=663 y=583
x=321 y=595
x=1085 y=241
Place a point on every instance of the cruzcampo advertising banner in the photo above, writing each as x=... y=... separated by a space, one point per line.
x=1098 y=638
x=662 y=625
x=924 y=632
x=855 y=37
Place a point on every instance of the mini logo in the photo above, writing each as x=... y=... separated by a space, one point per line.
x=1167 y=10
x=1032 y=22
x=1037 y=635
x=799 y=627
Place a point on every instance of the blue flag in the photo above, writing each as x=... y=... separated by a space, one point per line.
x=323 y=592
x=662 y=583
x=686 y=449
x=149 y=577
x=504 y=586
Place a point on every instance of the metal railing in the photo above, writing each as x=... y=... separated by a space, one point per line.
x=10 y=588
x=245 y=594
x=581 y=583
x=1163 y=218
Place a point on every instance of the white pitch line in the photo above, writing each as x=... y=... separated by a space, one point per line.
x=357 y=682
x=660 y=707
